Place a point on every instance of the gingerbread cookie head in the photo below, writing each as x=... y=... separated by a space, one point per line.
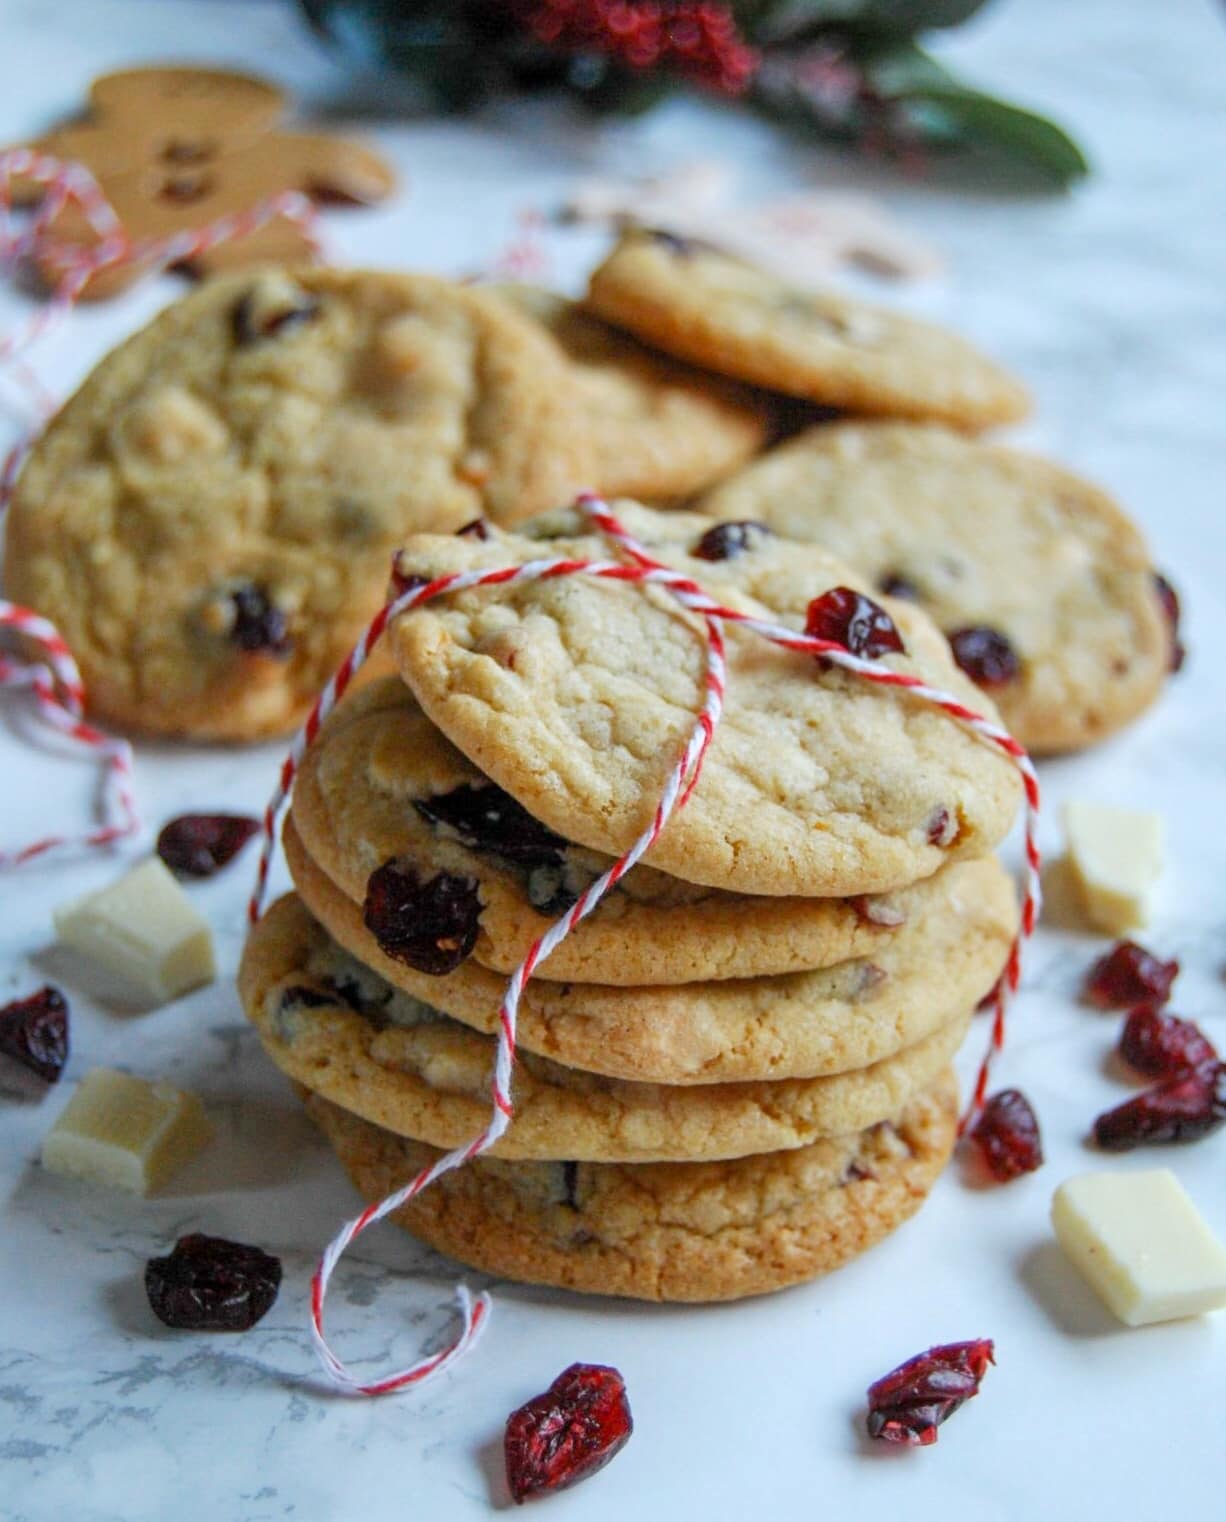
x=176 y=149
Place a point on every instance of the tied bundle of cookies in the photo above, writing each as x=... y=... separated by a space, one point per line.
x=209 y=521
x=736 y=1073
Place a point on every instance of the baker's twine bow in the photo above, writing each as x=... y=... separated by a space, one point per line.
x=638 y=568
x=52 y=676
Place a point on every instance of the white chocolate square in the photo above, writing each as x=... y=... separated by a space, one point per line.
x=1116 y=857
x=1142 y=1244
x=125 y=1132
x=145 y=930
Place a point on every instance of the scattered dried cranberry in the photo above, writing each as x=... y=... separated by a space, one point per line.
x=251 y=325
x=1164 y=1046
x=258 y=623
x=894 y=585
x=328 y=991
x=1169 y=599
x=728 y=540
x=943 y=828
x=210 y=1285
x=989 y=999
x=848 y=618
x=200 y=844
x=479 y=528
x=568 y=1433
x=487 y=819
x=1129 y=975
x=910 y=1403
x=429 y=925
x=406 y=581
x=34 y=1032
x=986 y=655
x=1007 y=1134
x=1180 y=1110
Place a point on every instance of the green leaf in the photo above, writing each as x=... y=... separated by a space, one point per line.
x=767 y=21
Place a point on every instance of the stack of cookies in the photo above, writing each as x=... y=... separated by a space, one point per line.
x=735 y=1075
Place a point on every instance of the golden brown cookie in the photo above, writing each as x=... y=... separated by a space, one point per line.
x=703 y=306
x=663 y=1231
x=209 y=521
x=984 y=539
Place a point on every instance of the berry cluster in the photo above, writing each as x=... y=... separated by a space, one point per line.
x=700 y=41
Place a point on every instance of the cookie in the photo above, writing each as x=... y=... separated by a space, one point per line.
x=209 y=521
x=663 y=1231
x=981 y=537
x=657 y=429
x=577 y=697
x=799 y=1025
x=379 y=769
x=703 y=306
x=329 y=1023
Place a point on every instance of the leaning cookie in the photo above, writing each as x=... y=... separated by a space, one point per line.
x=1043 y=586
x=800 y=1025
x=380 y=783
x=663 y=1231
x=209 y=520
x=577 y=696
x=655 y=428
x=329 y=1023
x=701 y=305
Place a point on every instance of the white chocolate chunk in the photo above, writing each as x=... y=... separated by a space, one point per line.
x=125 y=1132
x=1142 y=1244
x=144 y=929
x=1116 y=856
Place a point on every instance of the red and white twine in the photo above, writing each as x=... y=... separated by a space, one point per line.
x=55 y=681
x=642 y=569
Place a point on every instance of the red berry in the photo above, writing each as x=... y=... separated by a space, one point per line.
x=1164 y=1046
x=910 y=1403
x=986 y=655
x=848 y=618
x=198 y=845
x=1129 y=975
x=894 y=585
x=34 y=1032
x=1169 y=599
x=1180 y=1110
x=431 y=925
x=478 y=528
x=568 y=1433
x=1007 y=1134
x=728 y=540
x=258 y=625
x=208 y=1284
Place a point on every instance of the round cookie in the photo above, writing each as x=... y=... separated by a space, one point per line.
x=663 y=1231
x=356 y=806
x=799 y=1025
x=577 y=697
x=656 y=428
x=329 y=1023
x=693 y=301
x=981 y=536
x=209 y=521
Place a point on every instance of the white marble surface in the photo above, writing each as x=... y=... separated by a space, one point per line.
x=1110 y=303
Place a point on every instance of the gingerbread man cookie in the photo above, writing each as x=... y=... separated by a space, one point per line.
x=175 y=149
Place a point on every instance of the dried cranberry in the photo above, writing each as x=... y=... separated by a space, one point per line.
x=479 y=528
x=251 y=325
x=328 y=991
x=1007 y=1134
x=570 y=1184
x=431 y=926
x=210 y=1285
x=200 y=844
x=406 y=581
x=986 y=655
x=1129 y=975
x=487 y=819
x=1169 y=599
x=1180 y=1110
x=894 y=585
x=568 y=1433
x=910 y=1403
x=942 y=829
x=728 y=540
x=848 y=618
x=1164 y=1046
x=258 y=623
x=34 y=1032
